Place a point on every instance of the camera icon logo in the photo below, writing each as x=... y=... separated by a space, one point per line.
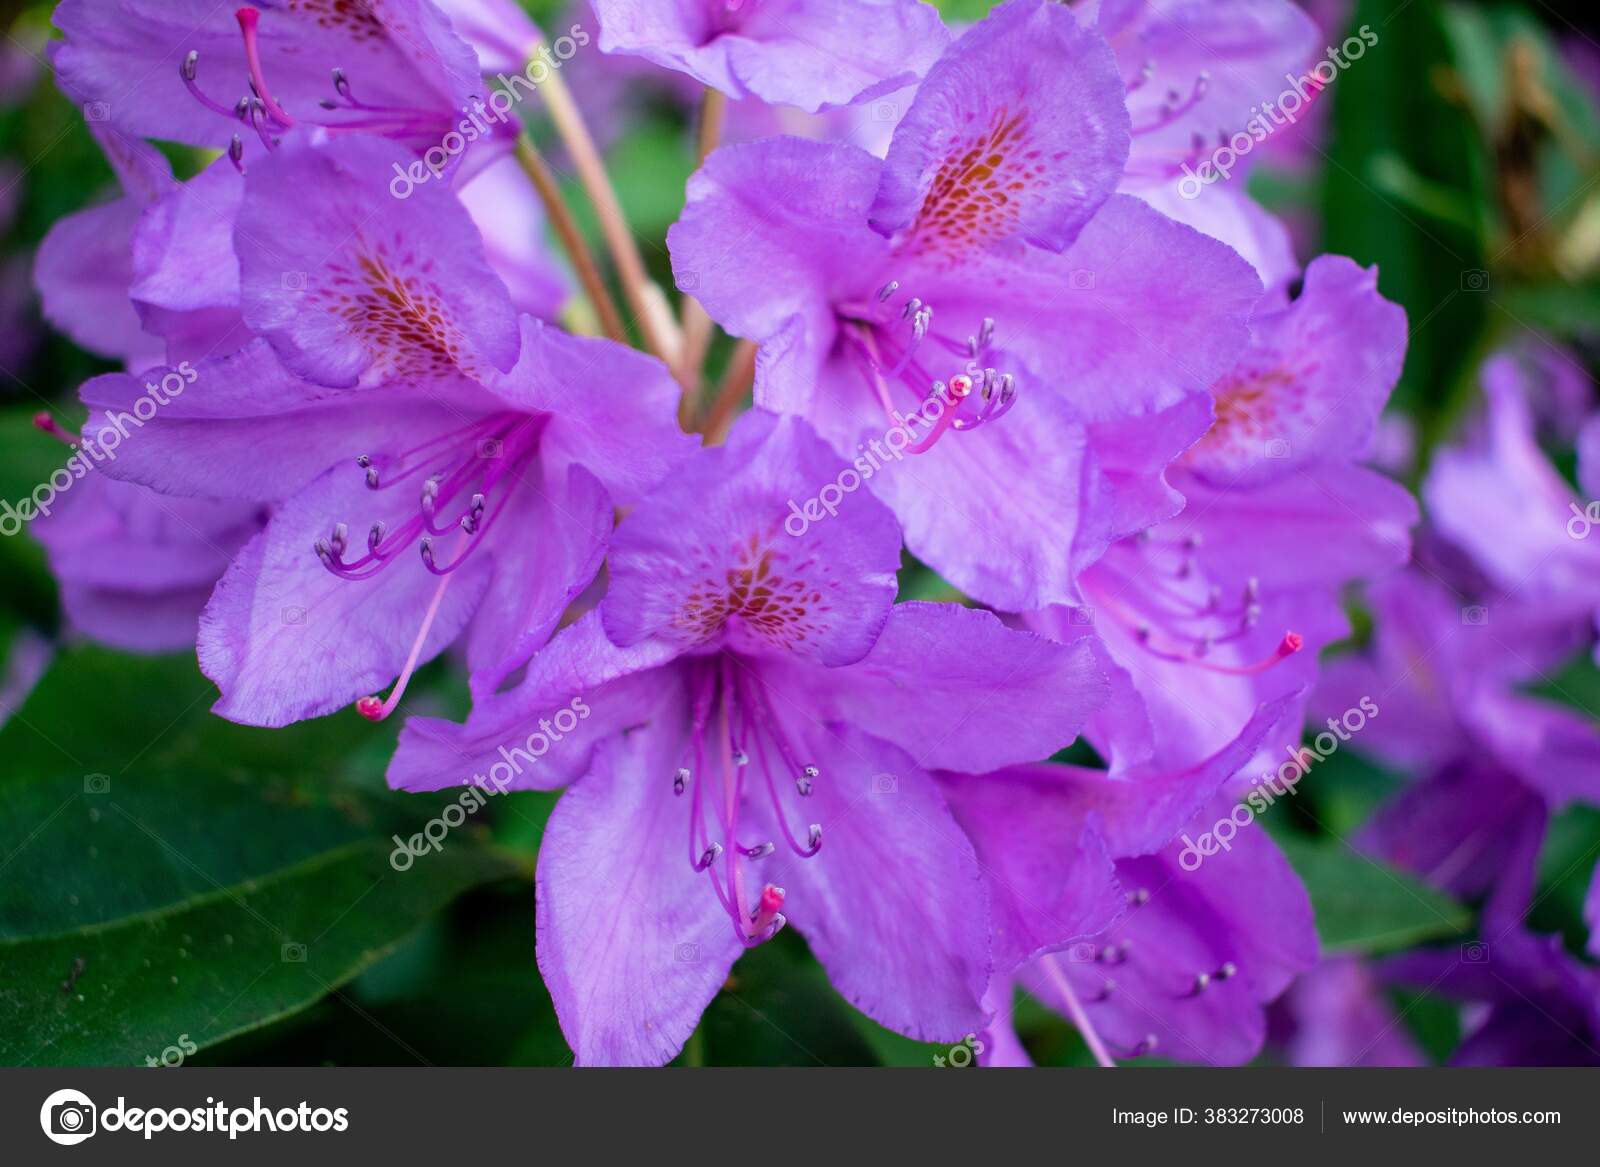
x=1083 y=952
x=293 y=952
x=686 y=954
x=68 y=1117
x=97 y=783
x=1278 y=448
x=1080 y=279
x=1475 y=280
x=884 y=784
x=293 y=281
x=1475 y=952
x=1475 y=615
x=489 y=448
x=1083 y=617
x=688 y=281
x=294 y=614
x=885 y=111
x=96 y=111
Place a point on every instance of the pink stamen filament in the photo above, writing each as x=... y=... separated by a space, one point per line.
x=374 y=709
x=45 y=423
x=249 y=17
x=1076 y=1012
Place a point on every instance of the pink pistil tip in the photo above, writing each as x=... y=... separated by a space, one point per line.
x=248 y=17
x=771 y=900
x=1292 y=643
x=371 y=708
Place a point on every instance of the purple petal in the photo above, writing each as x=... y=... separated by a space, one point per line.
x=781 y=205
x=894 y=904
x=286 y=639
x=347 y=295
x=611 y=689
x=1019 y=132
x=632 y=943
x=805 y=53
x=724 y=550
x=1311 y=385
x=613 y=409
x=957 y=690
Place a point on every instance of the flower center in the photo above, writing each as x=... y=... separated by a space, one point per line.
x=894 y=343
x=467 y=478
x=261 y=112
x=1178 y=616
x=734 y=735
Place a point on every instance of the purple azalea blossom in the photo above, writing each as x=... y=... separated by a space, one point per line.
x=84 y=264
x=137 y=567
x=1534 y=1003
x=756 y=743
x=1197 y=73
x=1099 y=320
x=483 y=484
x=813 y=54
x=1499 y=499
x=205 y=74
x=1173 y=956
x=1337 y=1015
x=1490 y=757
x=1212 y=612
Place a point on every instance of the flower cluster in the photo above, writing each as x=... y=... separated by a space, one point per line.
x=1134 y=438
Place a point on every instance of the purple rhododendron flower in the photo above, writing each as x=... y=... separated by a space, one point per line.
x=757 y=743
x=1224 y=606
x=207 y=74
x=484 y=481
x=1172 y=957
x=137 y=567
x=984 y=265
x=813 y=54
x=1337 y=1015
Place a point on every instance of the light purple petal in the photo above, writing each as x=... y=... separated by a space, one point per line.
x=1019 y=132
x=611 y=689
x=613 y=409
x=806 y=53
x=347 y=295
x=725 y=551
x=781 y=205
x=285 y=639
x=631 y=942
x=957 y=690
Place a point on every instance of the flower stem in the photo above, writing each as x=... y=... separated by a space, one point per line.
x=696 y=323
x=594 y=286
x=613 y=224
x=736 y=383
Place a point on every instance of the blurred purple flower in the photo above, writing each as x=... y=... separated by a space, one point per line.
x=812 y=54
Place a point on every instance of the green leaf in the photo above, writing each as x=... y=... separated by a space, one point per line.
x=153 y=857
x=224 y=963
x=1366 y=907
